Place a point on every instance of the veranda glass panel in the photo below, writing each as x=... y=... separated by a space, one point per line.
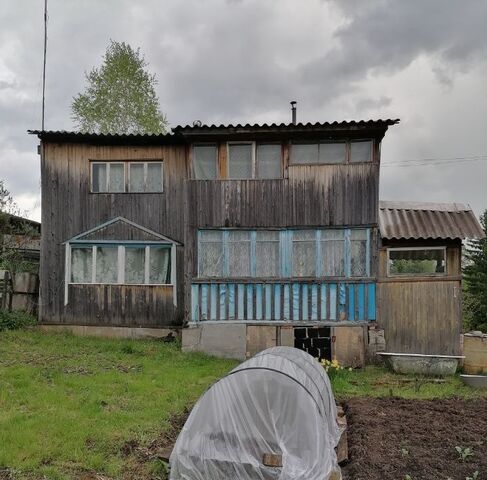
x=267 y=254
x=332 y=153
x=240 y=161
x=204 y=162
x=210 y=253
x=106 y=264
x=361 y=151
x=239 y=254
x=154 y=177
x=160 y=265
x=304 y=153
x=304 y=253
x=358 y=254
x=136 y=177
x=81 y=264
x=269 y=161
x=417 y=262
x=332 y=253
x=99 y=177
x=116 y=178
x=135 y=265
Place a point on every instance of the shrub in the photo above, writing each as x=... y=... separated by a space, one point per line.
x=15 y=320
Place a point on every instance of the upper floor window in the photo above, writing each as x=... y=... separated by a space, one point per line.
x=133 y=177
x=331 y=152
x=416 y=261
x=244 y=160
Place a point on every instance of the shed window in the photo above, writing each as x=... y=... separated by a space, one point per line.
x=318 y=153
x=107 y=177
x=268 y=161
x=304 y=253
x=210 y=253
x=361 y=151
x=145 y=177
x=240 y=160
x=238 y=253
x=332 y=253
x=416 y=261
x=120 y=264
x=204 y=162
x=358 y=252
x=267 y=253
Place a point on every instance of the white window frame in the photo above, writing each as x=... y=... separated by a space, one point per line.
x=146 y=169
x=107 y=181
x=403 y=275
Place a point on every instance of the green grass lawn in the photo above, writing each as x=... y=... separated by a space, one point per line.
x=69 y=404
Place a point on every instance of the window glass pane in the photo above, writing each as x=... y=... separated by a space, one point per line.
x=332 y=253
x=358 y=258
x=116 y=178
x=106 y=264
x=268 y=161
x=204 y=162
x=210 y=254
x=304 y=153
x=99 y=177
x=154 y=177
x=135 y=265
x=81 y=264
x=239 y=254
x=332 y=153
x=240 y=161
x=417 y=262
x=304 y=253
x=136 y=177
x=267 y=254
x=361 y=151
x=160 y=265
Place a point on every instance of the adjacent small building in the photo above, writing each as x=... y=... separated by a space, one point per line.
x=243 y=237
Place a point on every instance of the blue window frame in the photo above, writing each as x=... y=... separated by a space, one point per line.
x=303 y=253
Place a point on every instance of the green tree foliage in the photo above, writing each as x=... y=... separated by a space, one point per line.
x=475 y=285
x=120 y=96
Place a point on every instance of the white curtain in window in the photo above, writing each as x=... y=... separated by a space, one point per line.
x=268 y=161
x=81 y=264
x=332 y=253
x=239 y=253
x=160 y=269
x=304 y=253
x=304 y=153
x=267 y=254
x=240 y=161
x=210 y=253
x=361 y=151
x=154 y=177
x=99 y=177
x=136 y=177
x=204 y=162
x=332 y=153
x=358 y=248
x=135 y=265
x=116 y=180
x=106 y=264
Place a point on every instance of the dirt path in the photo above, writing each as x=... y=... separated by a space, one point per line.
x=391 y=438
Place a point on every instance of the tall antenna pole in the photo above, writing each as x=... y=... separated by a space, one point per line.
x=44 y=69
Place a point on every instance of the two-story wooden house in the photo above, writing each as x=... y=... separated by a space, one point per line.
x=249 y=236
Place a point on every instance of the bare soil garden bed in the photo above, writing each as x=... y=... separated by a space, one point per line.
x=397 y=439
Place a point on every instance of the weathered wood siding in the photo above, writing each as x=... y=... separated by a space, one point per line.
x=421 y=314
x=68 y=209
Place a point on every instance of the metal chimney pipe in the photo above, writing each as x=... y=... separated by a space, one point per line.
x=293 y=110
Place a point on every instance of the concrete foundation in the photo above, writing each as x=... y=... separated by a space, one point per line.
x=243 y=340
x=114 y=332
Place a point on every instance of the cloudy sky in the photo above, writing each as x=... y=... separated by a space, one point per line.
x=239 y=61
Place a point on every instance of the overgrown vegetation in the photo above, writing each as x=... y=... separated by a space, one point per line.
x=15 y=320
x=120 y=96
x=475 y=284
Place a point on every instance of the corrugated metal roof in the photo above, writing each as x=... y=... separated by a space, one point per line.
x=410 y=220
x=289 y=126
